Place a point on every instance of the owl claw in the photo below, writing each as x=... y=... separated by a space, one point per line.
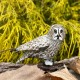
x=48 y=63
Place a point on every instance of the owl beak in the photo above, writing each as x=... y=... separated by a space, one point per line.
x=58 y=36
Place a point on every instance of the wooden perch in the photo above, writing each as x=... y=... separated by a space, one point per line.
x=27 y=72
x=68 y=61
x=72 y=63
x=75 y=65
x=53 y=68
x=9 y=66
x=62 y=74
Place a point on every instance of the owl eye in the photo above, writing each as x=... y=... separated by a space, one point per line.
x=55 y=31
x=61 y=31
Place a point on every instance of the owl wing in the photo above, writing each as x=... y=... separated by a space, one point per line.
x=34 y=45
x=38 y=44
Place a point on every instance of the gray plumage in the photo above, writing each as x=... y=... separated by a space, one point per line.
x=45 y=46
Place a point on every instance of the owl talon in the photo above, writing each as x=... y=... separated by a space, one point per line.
x=48 y=63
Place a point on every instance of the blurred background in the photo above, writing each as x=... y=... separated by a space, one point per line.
x=24 y=20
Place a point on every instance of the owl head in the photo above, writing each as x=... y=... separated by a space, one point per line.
x=57 y=32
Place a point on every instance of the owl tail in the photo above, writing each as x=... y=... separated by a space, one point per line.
x=27 y=55
x=22 y=58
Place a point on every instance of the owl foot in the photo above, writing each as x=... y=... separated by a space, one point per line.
x=48 y=63
x=50 y=67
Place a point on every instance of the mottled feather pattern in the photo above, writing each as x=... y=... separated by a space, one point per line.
x=45 y=46
x=35 y=44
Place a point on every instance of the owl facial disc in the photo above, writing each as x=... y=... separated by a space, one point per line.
x=58 y=33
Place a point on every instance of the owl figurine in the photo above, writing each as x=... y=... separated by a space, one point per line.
x=44 y=47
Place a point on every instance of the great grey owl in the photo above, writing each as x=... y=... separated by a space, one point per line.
x=44 y=47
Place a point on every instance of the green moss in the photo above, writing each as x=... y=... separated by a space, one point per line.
x=24 y=20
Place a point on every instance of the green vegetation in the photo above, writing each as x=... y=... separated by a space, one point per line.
x=24 y=20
